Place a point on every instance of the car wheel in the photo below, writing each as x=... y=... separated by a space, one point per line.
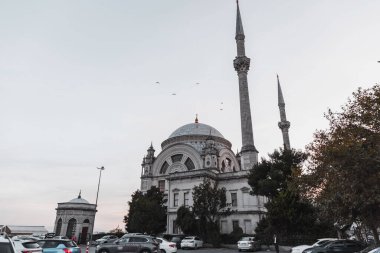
x=162 y=251
x=145 y=251
x=196 y=246
x=103 y=251
x=239 y=250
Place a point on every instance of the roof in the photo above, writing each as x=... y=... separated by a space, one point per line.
x=79 y=201
x=14 y=229
x=196 y=129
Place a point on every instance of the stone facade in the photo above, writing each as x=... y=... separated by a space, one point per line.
x=75 y=218
x=198 y=151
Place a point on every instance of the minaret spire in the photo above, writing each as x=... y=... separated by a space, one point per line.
x=283 y=124
x=249 y=153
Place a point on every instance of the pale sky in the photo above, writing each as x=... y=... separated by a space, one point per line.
x=77 y=86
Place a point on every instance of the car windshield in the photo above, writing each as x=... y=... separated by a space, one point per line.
x=246 y=239
x=55 y=243
x=30 y=245
x=188 y=238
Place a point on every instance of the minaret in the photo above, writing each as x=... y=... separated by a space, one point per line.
x=249 y=153
x=283 y=124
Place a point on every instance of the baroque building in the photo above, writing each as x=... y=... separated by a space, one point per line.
x=197 y=151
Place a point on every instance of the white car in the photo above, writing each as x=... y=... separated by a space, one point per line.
x=319 y=242
x=193 y=242
x=166 y=246
x=248 y=243
x=375 y=250
x=6 y=244
x=26 y=246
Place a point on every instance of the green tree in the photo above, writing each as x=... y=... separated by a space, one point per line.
x=186 y=221
x=270 y=177
x=210 y=204
x=147 y=212
x=289 y=215
x=344 y=172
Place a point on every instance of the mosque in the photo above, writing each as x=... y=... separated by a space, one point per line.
x=197 y=151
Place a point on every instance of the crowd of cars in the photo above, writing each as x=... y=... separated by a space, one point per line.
x=141 y=243
x=334 y=245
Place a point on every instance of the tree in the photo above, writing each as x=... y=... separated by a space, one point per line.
x=186 y=221
x=344 y=172
x=210 y=204
x=147 y=212
x=289 y=215
x=270 y=177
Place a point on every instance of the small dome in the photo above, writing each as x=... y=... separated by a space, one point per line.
x=79 y=201
x=196 y=129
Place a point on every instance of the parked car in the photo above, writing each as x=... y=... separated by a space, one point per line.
x=132 y=243
x=319 y=242
x=166 y=246
x=106 y=239
x=6 y=244
x=375 y=250
x=248 y=243
x=193 y=242
x=176 y=238
x=337 y=246
x=26 y=245
x=58 y=246
x=369 y=248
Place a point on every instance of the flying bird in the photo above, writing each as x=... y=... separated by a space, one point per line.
x=174 y=94
x=157 y=82
x=196 y=83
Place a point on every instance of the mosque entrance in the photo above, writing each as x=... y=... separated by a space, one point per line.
x=83 y=235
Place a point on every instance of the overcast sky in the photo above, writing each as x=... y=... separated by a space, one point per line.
x=78 y=86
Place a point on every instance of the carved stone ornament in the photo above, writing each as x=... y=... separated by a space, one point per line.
x=284 y=124
x=241 y=63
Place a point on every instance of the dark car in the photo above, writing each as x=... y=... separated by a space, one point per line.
x=337 y=246
x=132 y=243
x=58 y=246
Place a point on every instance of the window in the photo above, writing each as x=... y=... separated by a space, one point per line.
x=223 y=227
x=161 y=185
x=164 y=167
x=248 y=227
x=189 y=164
x=175 y=203
x=235 y=224
x=186 y=199
x=233 y=198
x=177 y=158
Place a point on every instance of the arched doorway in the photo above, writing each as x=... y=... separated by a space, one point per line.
x=59 y=227
x=71 y=227
x=83 y=235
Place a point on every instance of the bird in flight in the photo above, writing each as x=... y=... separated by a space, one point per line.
x=157 y=82
x=174 y=94
x=196 y=83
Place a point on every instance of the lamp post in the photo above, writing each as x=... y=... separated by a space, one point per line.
x=96 y=202
x=97 y=193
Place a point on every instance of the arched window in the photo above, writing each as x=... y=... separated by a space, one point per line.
x=189 y=164
x=86 y=221
x=71 y=227
x=58 y=227
x=164 y=167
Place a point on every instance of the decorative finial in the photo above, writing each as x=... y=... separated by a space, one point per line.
x=196 y=118
x=80 y=193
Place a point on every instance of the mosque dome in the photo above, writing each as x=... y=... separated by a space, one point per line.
x=196 y=129
x=79 y=200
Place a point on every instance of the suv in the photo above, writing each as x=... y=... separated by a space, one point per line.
x=26 y=245
x=337 y=246
x=248 y=243
x=58 y=246
x=106 y=239
x=6 y=244
x=131 y=243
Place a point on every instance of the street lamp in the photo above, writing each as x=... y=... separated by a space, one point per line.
x=96 y=202
x=97 y=193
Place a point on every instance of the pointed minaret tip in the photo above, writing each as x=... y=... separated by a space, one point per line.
x=196 y=118
x=280 y=96
x=239 y=24
x=80 y=194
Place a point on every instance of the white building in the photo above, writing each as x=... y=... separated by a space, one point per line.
x=197 y=151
